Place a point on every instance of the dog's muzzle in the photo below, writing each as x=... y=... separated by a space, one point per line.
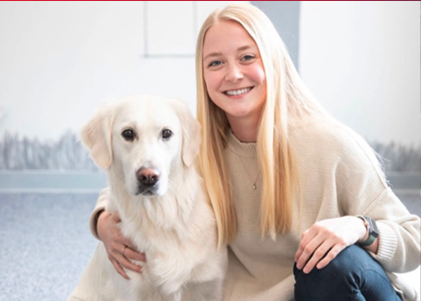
x=148 y=181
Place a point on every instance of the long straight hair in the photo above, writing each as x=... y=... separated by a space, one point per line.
x=287 y=102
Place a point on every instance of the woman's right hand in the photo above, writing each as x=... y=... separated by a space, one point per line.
x=121 y=251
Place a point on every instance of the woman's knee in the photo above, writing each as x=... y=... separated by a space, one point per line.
x=340 y=275
x=350 y=259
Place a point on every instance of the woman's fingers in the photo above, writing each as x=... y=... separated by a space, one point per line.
x=323 y=242
x=125 y=261
x=304 y=250
x=319 y=253
x=134 y=255
x=130 y=251
x=121 y=258
x=122 y=255
x=331 y=255
x=308 y=250
x=121 y=251
x=119 y=269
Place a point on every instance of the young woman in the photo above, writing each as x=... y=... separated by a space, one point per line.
x=300 y=199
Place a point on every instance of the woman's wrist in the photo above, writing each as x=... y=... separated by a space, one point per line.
x=98 y=222
x=363 y=231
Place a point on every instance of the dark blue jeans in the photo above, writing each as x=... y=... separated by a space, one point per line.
x=353 y=275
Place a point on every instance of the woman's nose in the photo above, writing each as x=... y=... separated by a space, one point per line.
x=234 y=73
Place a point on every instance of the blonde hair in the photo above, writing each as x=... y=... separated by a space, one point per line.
x=287 y=101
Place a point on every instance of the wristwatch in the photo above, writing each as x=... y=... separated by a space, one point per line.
x=372 y=230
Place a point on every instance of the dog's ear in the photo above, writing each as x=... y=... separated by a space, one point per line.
x=96 y=135
x=191 y=132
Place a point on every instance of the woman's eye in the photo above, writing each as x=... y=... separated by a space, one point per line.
x=215 y=63
x=247 y=57
x=128 y=135
x=166 y=134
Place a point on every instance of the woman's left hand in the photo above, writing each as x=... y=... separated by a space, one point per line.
x=326 y=239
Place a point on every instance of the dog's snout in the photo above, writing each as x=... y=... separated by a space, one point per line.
x=147 y=176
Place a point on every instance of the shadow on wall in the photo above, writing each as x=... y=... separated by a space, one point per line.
x=67 y=153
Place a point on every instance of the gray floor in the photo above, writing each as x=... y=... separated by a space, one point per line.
x=45 y=243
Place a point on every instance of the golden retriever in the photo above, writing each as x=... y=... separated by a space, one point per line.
x=148 y=146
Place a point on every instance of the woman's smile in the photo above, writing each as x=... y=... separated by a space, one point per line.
x=238 y=92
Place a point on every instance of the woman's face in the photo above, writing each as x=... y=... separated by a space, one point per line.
x=233 y=71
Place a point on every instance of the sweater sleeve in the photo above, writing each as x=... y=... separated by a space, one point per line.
x=362 y=189
x=100 y=206
x=399 y=239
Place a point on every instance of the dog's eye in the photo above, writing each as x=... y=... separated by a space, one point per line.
x=128 y=135
x=166 y=134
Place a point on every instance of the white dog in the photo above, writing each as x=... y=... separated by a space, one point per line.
x=148 y=146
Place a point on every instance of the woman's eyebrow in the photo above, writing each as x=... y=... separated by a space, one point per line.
x=212 y=54
x=245 y=47
x=217 y=54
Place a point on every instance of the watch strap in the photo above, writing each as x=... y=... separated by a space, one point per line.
x=372 y=233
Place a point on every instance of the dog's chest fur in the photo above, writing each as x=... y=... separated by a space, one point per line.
x=168 y=229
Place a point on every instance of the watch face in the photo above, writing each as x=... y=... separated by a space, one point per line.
x=373 y=227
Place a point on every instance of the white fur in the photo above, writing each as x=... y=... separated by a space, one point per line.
x=175 y=227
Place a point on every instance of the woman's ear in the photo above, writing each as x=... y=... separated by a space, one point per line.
x=97 y=136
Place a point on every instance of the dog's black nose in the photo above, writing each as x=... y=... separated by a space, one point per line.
x=147 y=176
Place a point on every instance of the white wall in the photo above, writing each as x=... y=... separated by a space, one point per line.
x=60 y=60
x=362 y=61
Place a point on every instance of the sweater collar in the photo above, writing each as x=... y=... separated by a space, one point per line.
x=240 y=148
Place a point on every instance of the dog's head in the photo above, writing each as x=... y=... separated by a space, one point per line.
x=143 y=140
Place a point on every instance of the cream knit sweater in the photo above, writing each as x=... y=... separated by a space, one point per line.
x=339 y=175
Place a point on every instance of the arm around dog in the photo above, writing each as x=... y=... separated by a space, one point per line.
x=101 y=203
x=104 y=226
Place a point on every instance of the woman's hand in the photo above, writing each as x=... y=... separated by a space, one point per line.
x=326 y=239
x=120 y=250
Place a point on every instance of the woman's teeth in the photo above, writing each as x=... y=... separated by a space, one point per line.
x=237 y=92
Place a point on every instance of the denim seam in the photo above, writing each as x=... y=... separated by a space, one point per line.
x=378 y=273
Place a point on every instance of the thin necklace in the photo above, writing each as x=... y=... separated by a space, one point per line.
x=250 y=177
